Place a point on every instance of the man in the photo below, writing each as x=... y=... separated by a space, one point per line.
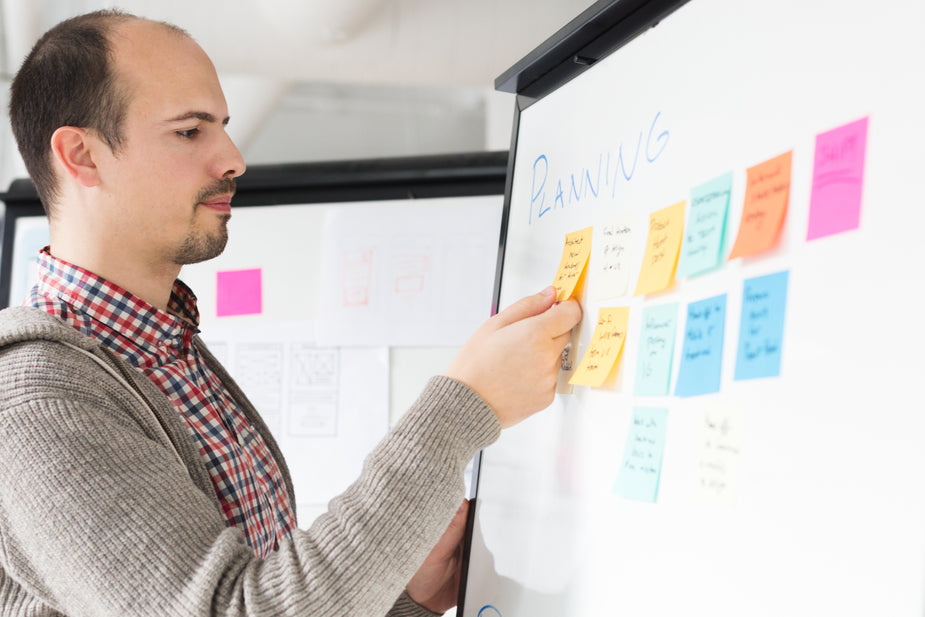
x=135 y=477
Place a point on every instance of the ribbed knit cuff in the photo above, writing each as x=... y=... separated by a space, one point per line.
x=406 y=607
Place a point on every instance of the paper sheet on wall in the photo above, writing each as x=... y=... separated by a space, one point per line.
x=408 y=275
x=31 y=235
x=327 y=407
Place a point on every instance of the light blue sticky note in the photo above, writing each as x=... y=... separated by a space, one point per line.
x=702 y=353
x=761 y=334
x=656 y=349
x=706 y=227
x=642 y=458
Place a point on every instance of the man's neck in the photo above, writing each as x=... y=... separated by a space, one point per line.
x=152 y=284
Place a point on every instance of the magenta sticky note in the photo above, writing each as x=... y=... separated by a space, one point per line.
x=239 y=292
x=838 y=177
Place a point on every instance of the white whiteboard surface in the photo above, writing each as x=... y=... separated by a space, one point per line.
x=829 y=514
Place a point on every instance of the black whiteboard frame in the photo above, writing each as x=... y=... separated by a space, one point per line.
x=597 y=32
x=416 y=177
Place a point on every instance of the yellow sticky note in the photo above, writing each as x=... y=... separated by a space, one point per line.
x=605 y=347
x=574 y=259
x=666 y=227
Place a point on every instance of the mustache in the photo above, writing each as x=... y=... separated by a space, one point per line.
x=220 y=187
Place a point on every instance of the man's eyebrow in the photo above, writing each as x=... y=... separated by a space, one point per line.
x=198 y=115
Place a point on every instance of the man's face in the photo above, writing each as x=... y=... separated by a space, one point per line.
x=169 y=187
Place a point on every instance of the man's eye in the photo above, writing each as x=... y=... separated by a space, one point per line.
x=187 y=133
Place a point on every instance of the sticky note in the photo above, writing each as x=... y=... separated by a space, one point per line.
x=717 y=477
x=656 y=349
x=641 y=468
x=838 y=177
x=761 y=329
x=605 y=347
x=610 y=258
x=666 y=227
x=575 y=255
x=239 y=292
x=767 y=192
x=702 y=351
x=706 y=226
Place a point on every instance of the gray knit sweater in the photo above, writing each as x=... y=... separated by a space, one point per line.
x=107 y=509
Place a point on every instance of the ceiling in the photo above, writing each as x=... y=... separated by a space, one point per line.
x=270 y=53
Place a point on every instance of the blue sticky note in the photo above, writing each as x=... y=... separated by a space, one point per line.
x=702 y=353
x=762 y=326
x=706 y=227
x=642 y=458
x=656 y=349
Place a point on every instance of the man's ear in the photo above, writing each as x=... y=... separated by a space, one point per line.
x=72 y=148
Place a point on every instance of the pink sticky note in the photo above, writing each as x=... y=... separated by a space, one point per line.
x=239 y=293
x=838 y=176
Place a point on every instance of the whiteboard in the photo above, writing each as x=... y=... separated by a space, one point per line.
x=824 y=510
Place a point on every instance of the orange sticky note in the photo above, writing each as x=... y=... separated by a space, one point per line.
x=666 y=227
x=574 y=260
x=604 y=350
x=766 y=197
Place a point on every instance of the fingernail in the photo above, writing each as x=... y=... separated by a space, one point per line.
x=549 y=292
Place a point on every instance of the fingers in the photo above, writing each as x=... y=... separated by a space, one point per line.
x=560 y=319
x=526 y=307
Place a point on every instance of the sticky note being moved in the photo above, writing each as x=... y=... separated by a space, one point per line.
x=666 y=227
x=575 y=255
x=641 y=469
x=766 y=195
x=239 y=292
x=605 y=348
x=838 y=176
x=761 y=333
x=702 y=353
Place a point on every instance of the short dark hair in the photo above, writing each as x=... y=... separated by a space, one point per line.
x=68 y=79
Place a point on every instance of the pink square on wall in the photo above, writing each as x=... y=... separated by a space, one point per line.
x=239 y=292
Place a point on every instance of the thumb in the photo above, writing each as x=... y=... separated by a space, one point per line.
x=526 y=307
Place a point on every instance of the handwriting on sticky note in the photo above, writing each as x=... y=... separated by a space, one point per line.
x=702 y=351
x=641 y=468
x=717 y=479
x=238 y=292
x=605 y=347
x=838 y=177
x=575 y=255
x=656 y=349
x=666 y=228
x=706 y=226
x=767 y=193
x=761 y=330
x=610 y=261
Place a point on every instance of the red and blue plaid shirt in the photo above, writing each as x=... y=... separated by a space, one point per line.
x=246 y=478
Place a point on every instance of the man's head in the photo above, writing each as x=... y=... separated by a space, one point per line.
x=121 y=123
x=67 y=80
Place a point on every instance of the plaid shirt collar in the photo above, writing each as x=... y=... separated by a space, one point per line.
x=149 y=328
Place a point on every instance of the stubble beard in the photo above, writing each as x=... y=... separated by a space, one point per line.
x=203 y=246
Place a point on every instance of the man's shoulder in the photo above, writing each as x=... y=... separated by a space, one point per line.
x=21 y=324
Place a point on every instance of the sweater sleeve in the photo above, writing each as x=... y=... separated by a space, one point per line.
x=97 y=516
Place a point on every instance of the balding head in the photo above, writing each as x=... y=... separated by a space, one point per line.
x=68 y=79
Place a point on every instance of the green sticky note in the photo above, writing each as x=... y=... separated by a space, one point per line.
x=656 y=349
x=701 y=250
x=642 y=458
